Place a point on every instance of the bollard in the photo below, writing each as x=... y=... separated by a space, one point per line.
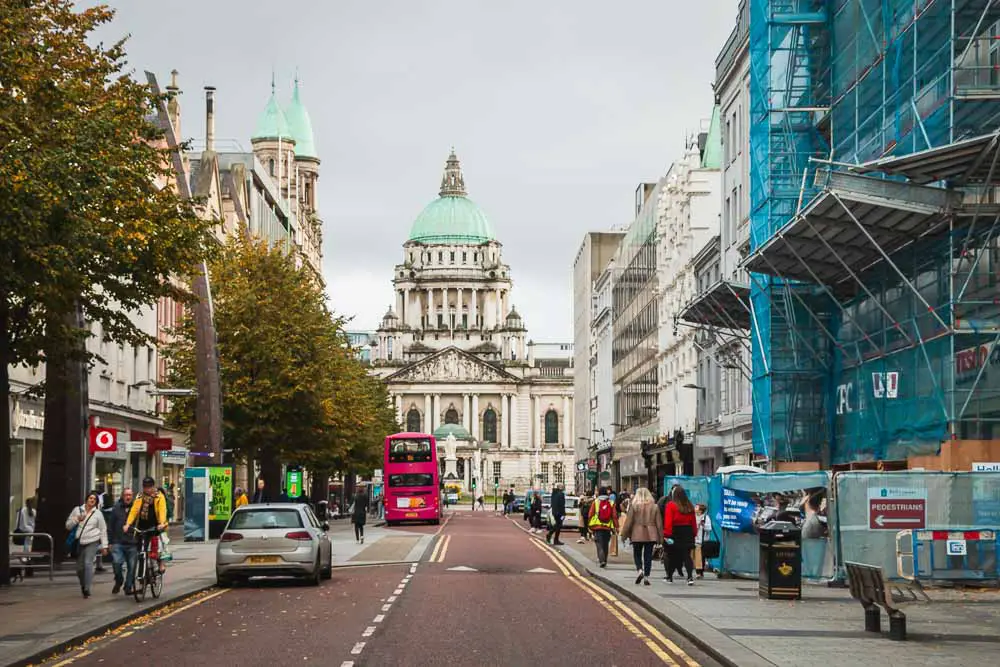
x=897 y=626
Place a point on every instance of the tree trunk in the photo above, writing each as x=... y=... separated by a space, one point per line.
x=270 y=470
x=63 y=456
x=5 y=458
x=320 y=486
x=208 y=402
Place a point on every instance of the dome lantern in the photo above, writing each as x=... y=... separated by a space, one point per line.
x=452 y=217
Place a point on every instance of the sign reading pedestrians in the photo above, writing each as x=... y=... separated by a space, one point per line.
x=896 y=508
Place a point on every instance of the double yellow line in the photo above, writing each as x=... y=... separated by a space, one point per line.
x=440 y=549
x=638 y=626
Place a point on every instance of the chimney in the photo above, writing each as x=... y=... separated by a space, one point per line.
x=209 y=118
x=174 y=104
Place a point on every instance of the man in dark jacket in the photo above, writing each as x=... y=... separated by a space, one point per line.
x=558 y=507
x=358 y=515
x=124 y=549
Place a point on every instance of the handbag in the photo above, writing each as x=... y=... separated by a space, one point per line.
x=19 y=537
x=710 y=548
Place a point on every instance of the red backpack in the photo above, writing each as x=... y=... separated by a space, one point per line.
x=604 y=511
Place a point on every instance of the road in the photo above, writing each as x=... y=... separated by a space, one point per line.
x=484 y=593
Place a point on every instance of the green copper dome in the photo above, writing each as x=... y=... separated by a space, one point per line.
x=453 y=217
x=300 y=126
x=272 y=123
x=459 y=431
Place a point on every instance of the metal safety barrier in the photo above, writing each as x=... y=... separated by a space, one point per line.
x=22 y=559
x=948 y=554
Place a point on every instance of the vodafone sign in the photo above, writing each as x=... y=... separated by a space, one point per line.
x=103 y=440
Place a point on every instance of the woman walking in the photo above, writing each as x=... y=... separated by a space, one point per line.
x=90 y=534
x=358 y=515
x=678 y=533
x=643 y=525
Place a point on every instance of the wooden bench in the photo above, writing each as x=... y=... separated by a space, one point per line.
x=869 y=587
x=25 y=560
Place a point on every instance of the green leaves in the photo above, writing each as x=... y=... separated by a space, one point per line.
x=292 y=388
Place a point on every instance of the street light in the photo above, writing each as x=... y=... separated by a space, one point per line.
x=164 y=392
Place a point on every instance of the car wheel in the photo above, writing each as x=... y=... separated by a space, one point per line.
x=223 y=582
x=314 y=579
x=328 y=570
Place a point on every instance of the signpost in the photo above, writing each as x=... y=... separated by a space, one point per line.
x=896 y=508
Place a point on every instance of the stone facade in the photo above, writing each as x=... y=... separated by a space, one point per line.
x=458 y=363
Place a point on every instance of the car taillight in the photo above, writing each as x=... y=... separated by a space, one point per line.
x=303 y=535
x=231 y=537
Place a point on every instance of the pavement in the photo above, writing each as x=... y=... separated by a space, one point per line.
x=727 y=617
x=483 y=592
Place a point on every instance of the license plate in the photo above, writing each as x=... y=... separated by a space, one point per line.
x=262 y=560
x=411 y=515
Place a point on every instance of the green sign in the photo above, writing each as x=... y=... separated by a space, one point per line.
x=293 y=483
x=221 y=480
x=592 y=475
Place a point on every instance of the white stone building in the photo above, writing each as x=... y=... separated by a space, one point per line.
x=688 y=218
x=456 y=356
x=720 y=310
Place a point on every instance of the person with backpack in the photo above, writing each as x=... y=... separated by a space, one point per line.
x=603 y=520
x=678 y=534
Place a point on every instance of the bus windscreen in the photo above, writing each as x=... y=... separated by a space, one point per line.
x=410 y=451
x=411 y=479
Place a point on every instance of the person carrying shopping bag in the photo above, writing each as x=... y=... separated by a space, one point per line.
x=88 y=535
x=643 y=526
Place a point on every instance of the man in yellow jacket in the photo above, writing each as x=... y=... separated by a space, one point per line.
x=149 y=511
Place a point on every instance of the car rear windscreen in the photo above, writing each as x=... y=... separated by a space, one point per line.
x=412 y=479
x=410 y=450
x=264 y=518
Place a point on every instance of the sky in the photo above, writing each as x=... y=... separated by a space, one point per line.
x=557 y=110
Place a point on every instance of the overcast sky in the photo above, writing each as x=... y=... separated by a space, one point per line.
x=556 y=108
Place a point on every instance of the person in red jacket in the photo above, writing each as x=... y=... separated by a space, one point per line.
x=678 y=534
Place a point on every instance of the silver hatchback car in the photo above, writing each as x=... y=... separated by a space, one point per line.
x=274 y=540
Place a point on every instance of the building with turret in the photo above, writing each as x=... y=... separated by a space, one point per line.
x=457 y=359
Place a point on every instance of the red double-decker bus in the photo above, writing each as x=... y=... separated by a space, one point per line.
x=411 y=479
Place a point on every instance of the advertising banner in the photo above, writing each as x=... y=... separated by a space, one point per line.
x=293 y=483
x=738 y=508
x=221 y=504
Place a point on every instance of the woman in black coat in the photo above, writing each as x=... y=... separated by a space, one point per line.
x=358 y=515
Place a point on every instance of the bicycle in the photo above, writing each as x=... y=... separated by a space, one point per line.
x=146 y=576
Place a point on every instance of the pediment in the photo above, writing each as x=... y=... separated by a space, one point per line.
x=452 y=365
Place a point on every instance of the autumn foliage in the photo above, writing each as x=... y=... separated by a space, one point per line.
x=293 y=391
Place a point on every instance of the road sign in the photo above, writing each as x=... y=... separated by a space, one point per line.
x=103 y=440
x=896 y=508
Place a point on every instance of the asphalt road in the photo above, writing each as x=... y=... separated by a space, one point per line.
x=485 y=593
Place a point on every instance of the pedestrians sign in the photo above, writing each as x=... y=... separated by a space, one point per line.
x=896 y=508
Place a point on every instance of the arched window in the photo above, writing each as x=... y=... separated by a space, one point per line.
x=270 y=167
x=451 y=416
x=551 y=427
x=490 y=425
x=413 y=421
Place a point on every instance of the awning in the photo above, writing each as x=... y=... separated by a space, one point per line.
x=725 y=305
x=851 y=225
x=961 y=162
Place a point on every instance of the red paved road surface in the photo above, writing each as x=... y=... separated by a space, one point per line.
x=494 y=613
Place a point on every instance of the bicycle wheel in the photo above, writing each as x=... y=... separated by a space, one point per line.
x=155 y=581
x=139 y=590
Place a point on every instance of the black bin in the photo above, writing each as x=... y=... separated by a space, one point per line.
x=780 y=561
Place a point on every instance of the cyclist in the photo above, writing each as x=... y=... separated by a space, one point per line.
x=149 y=511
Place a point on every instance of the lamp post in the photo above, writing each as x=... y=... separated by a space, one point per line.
x=699 y=408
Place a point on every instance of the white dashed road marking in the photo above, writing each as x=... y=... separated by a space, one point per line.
x=379 y=618
x=358 y=648
x=369 y=631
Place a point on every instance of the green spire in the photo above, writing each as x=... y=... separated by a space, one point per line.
x=300 y=125
x=272 y=123
x=712 y=157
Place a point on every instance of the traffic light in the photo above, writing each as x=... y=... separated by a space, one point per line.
x=473 y=482
x=496 y=480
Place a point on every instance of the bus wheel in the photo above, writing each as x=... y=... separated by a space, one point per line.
x=435 y=522
x=390 y=524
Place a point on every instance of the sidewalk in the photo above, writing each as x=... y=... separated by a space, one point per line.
x=726 y=617
x=40 y=615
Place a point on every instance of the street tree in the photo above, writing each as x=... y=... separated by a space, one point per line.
x=91 y=230
x=292 y=391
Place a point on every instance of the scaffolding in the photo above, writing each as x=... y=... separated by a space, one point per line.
x=877 y=276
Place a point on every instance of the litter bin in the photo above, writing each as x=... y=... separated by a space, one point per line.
x=780 y=561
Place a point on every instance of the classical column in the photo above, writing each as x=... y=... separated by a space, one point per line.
x=566 y=435
x=406 y=317
x=474 y=311
x=436 y=413
x=499 y=315
x=537 y=424
x=426 y=426
x=430 y=304
x=399 y=408
x=466 y=416
x=474 y=416
x=512 y=401
x=502 y=421
x=458 y=308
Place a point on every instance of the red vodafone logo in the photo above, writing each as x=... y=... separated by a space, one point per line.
x=103 y=440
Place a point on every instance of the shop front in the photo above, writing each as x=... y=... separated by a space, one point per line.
x=27 y=423
x=109 y=472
